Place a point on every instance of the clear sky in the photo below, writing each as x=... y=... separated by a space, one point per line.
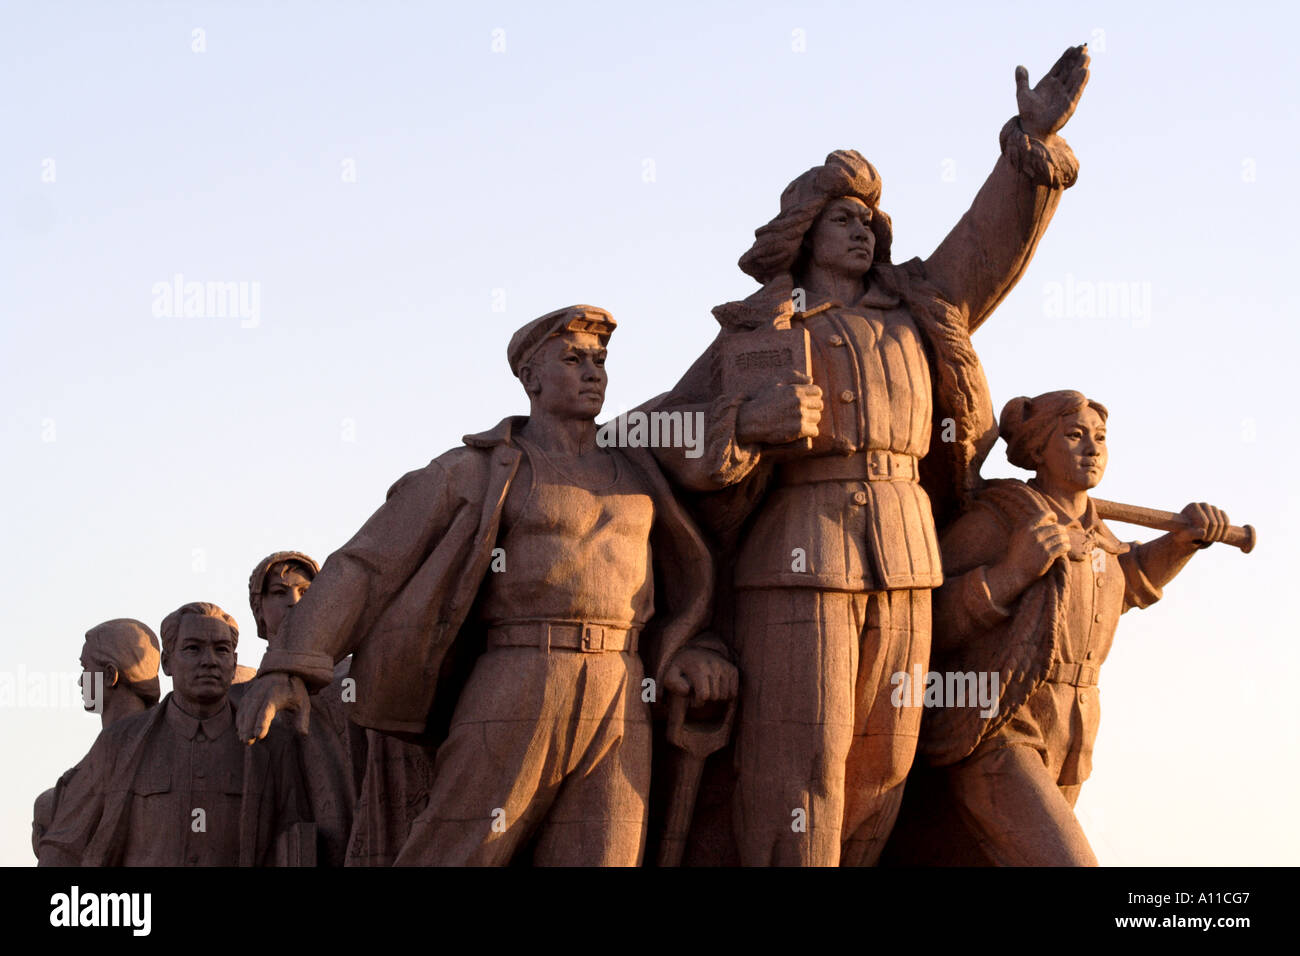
x=400 y=185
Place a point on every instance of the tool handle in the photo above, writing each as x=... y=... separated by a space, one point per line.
x=1243 y=537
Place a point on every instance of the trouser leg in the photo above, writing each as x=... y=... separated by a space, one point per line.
x=1021 y=817
x=496 y=774
x=895 y=639
x=598 y=817
x=799 y=660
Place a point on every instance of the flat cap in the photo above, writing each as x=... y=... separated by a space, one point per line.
x=575 y=318
x=132 y=647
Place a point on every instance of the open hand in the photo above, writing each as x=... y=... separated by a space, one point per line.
x=1050 y=104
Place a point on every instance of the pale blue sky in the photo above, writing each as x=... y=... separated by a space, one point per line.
x=150 y=461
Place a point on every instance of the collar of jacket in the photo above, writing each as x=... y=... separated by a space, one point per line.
x=773 y=305
x=874 y=298
x=500 y=434
x=188 y=725
x=1088 y=522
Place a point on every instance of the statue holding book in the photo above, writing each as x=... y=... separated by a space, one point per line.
x=824 y=479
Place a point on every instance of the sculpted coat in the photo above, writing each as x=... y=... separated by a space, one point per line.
x=132 y=801
x=399 y=597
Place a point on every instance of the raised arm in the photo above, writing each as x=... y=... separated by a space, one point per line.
x=987 y=252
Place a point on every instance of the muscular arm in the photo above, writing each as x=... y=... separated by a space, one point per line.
x=1149 y=567
x=987 y=252
x=359 y=579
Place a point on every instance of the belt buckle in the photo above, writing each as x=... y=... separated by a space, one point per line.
x=1091 y=671
x=593 y=638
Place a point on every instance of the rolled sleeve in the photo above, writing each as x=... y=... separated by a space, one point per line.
x=728 y=460
x=1139 y=591
x=315 y=668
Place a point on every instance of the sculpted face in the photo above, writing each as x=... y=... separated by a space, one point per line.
x=285 y=586
x=1076 y=456
x=566 y=378
x=202 y=661
x=841 y=239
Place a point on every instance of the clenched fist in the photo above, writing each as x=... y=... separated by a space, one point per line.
x=703 y=674
x=784 y=413
x=1030 y=552
x=1206 y=524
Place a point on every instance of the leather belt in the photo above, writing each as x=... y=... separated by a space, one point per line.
x=874 y=465
x=1069 y=672
x=563 y=635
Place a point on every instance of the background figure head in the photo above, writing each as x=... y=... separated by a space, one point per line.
x=199 y=642
x=785 y=244
x=1059 y=435
x=278 y=583
x=119 y=665
x=560 y=360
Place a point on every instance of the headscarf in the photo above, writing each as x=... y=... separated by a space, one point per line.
x=846 y=173
x=1027 y=423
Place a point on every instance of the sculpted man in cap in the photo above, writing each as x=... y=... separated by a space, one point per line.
x=119 y=675
x=167 y=786
x=1035 y=587
x=332 y=752
x=835 y=538
x=505 y=603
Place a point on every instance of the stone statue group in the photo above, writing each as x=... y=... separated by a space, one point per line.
x=566 y=644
